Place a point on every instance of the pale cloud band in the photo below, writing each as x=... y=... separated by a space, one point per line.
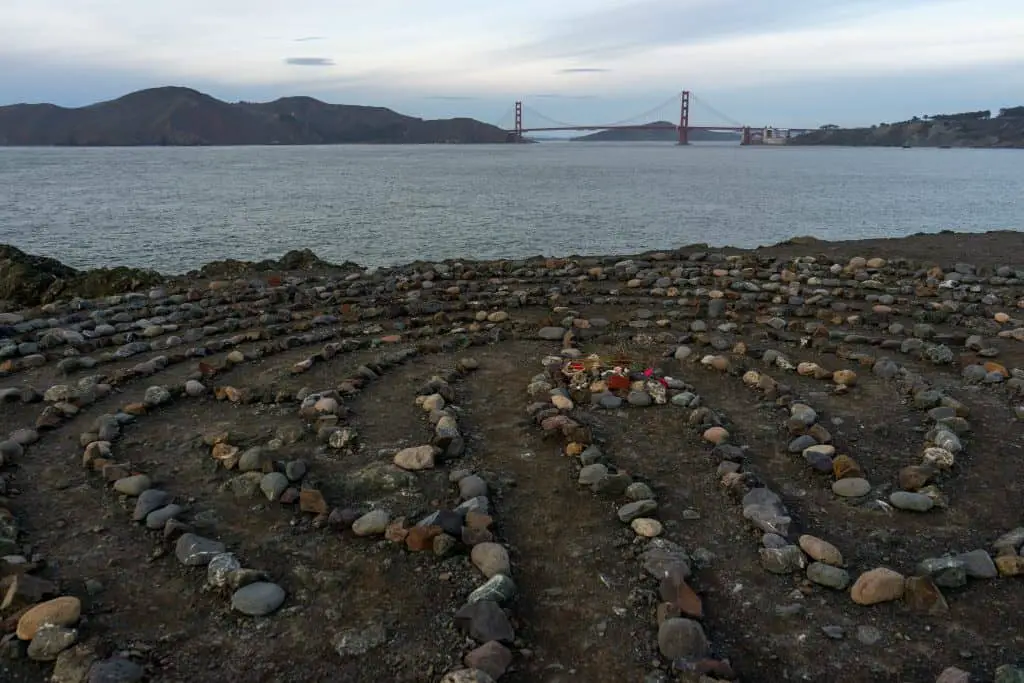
x=409 y=50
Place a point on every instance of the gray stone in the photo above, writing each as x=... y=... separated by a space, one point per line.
x=273 y=485
x=472 y=486
x=852 y=487
x=258 y=599
x=868 y=635
x=802 y=443
x=499 y=588
x=639 y=399
x=947 y=572
x=133 y=485
x=149 y=500
x=356 y=642
x=372 y=523
x=115 y=670
x=630 y=511
x=592 y=474
x=663 y=558
x=484 y=621
x=785 y=560
x=551 y=333
x=196 y=551
x=978 y=564
x=682 y=639
x=49 y=641
x=827 y=575
x=157 y=519
x=1012 y=539
x=73 y=665
x=915 y=502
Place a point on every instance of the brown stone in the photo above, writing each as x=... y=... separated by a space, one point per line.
x=1010 y=565
x=675 y=590
x=845 y=467
x=116 y=471
x=668 y=610
x=921 y=594
x=820 y=434
x=135 y=409
x=877 y=585
x=574 y=449
x=227 y=454
x=478 y=520
x=492 y=658
x=914 y=477
x=421 y=538
x=63 y=611
x=290 y=496
x=820 y=550
x=996 y=367
x=472 y=537
x=844 y=377
x=22 y=590
x=312 y=501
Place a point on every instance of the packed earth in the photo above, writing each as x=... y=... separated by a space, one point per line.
x=797 y=463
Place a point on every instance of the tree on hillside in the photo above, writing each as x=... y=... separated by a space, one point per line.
x=1011 y=113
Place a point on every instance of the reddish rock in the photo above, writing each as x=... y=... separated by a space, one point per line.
x=676 y=591
x=492 y=658
x=290 y=496
x=921 y=594
x=421 y=538
x=312 y=501
x=396 y=531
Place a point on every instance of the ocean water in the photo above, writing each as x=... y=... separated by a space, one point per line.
x=174 y=209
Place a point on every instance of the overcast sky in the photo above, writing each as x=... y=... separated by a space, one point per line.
x=777 y=62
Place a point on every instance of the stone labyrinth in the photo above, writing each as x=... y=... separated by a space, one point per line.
x=679 y=466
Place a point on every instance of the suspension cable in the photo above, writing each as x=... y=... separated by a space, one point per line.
x=714 y=111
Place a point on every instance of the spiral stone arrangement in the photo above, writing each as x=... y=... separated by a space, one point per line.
x=771 y=465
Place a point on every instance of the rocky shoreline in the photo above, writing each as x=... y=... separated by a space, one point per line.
x=790 y=463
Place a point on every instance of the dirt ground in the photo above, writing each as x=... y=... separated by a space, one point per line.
x=585 y=610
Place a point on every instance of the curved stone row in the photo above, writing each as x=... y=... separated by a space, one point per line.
x=556 y=394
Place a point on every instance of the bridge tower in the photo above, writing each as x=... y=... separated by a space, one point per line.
x=519 y=122
x=684 y=118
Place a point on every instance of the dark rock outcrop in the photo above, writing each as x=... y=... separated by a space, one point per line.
x=182 y=116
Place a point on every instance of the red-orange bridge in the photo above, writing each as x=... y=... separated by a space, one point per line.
x=748 y=134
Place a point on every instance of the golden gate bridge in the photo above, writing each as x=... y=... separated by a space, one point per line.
x=748 y=134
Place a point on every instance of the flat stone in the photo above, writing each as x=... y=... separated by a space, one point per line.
x=922 y=595
x=148 y=501
x=133 y=485
x=827 y=575
x=490 y=559
x=258 y=599
x=372 y=523
x=591 y=474
x=50 y=641
x=63 y=611
x=852 y=487
x=914 y=502
x=630 y=511
x=416 y=458
x=821 y=551
x=785 y=560
x=978 y=564
x=115 y=670
x=196 y=551
x=484 y=621
x=680 y=638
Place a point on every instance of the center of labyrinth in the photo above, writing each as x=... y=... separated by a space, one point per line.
x=677 y=468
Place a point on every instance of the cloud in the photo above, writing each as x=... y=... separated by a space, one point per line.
x=309 y=61
x=307 y=39
x=583 y=70
x=451 y=98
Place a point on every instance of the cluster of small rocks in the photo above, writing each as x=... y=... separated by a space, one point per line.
x=680 y=636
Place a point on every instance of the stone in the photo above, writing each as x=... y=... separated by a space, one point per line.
x=680 y=638
x=877 y=585
x=591 y=474
x=258 y=599
x=356 y=642
x=21 y=590
x=312 y=501
x=50 y=641
x=133 y=485
x=716 y=435
x=854 y=487
x=472 y=486
x=820 y=551
x=490 y=559
x=468 y=676
x=116 y=670
x=499 y=588
x=63 y=611
x=828 y=575
x=978 y=564
x=372 y=523
x=785 y=560
x=914 y=477
x=196 y=551
x=73 y=664
x=148 y=501
x=484 y=621
x=948 y=571
x=1008 y=673
x=922 y=595
x=953 y=675
x=416 y=458
x=273 y=485
x=915 y=502
x=492 y=658
x=646 y=527
x=675 y=591
x=630 y=511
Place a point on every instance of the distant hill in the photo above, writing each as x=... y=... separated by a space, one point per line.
x=182 y=116
x=655 y=135
x=968 y=129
